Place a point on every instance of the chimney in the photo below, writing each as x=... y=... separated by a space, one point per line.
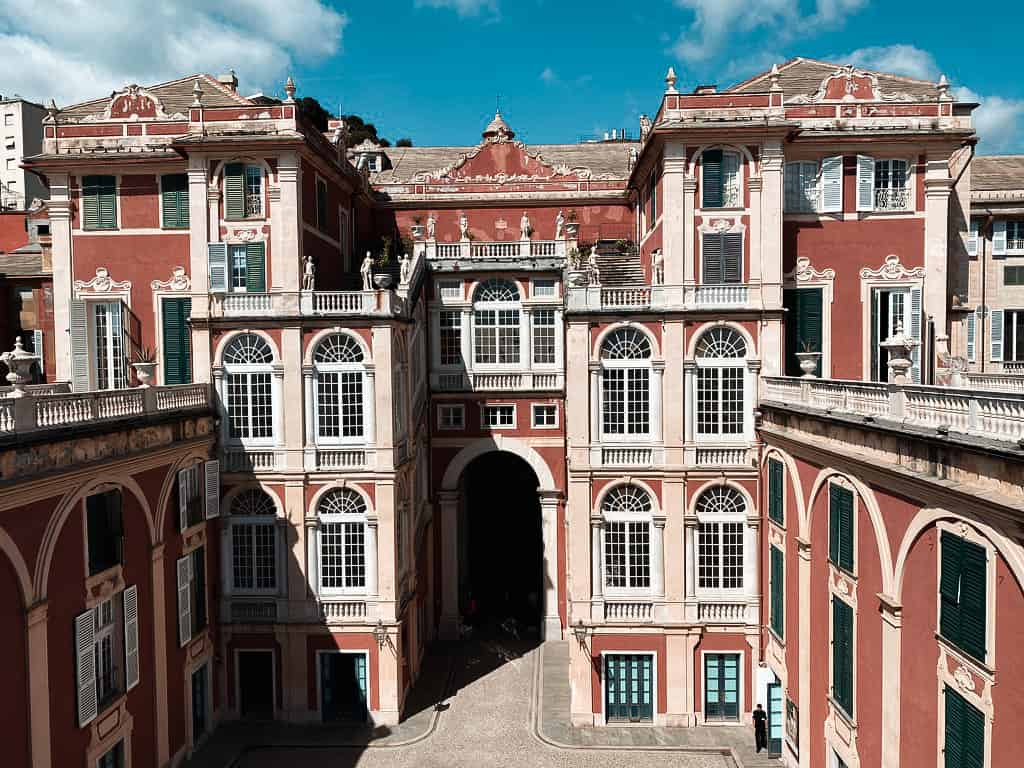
x=705 y=90
x=228 y=80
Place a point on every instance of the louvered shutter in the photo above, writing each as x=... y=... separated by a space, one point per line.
x=79 y=345
x=845 y=529
x=809 y=321
x=842 y=648
x=177 y=341
x=997 y=335
x=915 y=333
x=90 y=203
x=174 y=200
x=972 y=238
x=184 y=479
x=711 y=258
x=998 y=238
x=833 y=523
x=953 y=743
x=732 y=257
x=108 y=203
x=972 y=324
x=973 y=739
x=949 y=587
x=85 y=667
x=184 y=565
x=973 y=607
x=791 y=184
x=255 y=268
x=39 y=351
x=131 y=637
x=234 y=191
x=217 y=265
x=865 y=183
x=711 y=178
x=775 y=491
x=832 y=185
x=211 y=470
x=777 y=592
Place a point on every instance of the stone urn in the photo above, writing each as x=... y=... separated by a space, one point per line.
x=577 y=278
x=19 y=363
x=901 y=349
x=418 y=230
x=144 y=372
x=383 y=280
x=808 y=363
x=572 y=229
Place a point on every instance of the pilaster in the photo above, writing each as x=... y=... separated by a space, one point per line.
x=449 y=503
x=285 y=269
x=675 y=212
x=937 y=188
x=892 y=637
x=59 y=209
x=39 y=686
x=769 y=268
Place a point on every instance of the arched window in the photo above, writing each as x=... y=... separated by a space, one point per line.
x=253 y=542
x=721 y=383
x=248 y=392
x=627 y=538
x=626 y=383
x=342 y=541
x=496 y=318
x=721 y=512
x=721 y=178
x=340 y=389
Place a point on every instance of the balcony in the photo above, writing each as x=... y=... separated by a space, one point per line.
x=495 y=250
x=497 y=381
x=893 y=199
x=596 y=298
x=375 y=303
x=246 y=459
x=990 y=414
x=629 y=611
x=726 y=612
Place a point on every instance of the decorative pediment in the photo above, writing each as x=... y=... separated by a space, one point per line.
x=244 y=234
x=134 y=103
x=892 y=270
x=849 y=84
x=720 y=224
x=103 y=283
x=803 y=272
x=502 y=162
x=179 y=282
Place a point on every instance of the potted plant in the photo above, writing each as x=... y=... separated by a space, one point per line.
x=417 y=227
x=382 y=277
x=808 y=358
x=572 y=227
x=144 y=365
x=576 y=275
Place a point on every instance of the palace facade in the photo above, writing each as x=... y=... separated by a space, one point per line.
x=596 y=390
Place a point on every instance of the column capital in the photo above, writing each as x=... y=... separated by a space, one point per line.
x=690 y=184
x=550 y=496
x=890 y=609
x=310 y=522
x=803 y=548
x=658 y=365
x=37 y=613
x=156 y=552
x=596 y=521
x=659 y=521
x=447 y=497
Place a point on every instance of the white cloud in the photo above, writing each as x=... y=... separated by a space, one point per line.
x=997 y=121
x=906 y=60
x=548 y=75
x=463 y=7
x=717 y=22
x=71 y=51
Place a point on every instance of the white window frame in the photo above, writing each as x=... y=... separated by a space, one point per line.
x=723 y=363
x=94 y=352
x=806 y=205
x=544 y=288
x=451 y=409
x=487 y=408
x=908 y=185
x=340 y=369
x=347 y=518
x=721 y=518
x=248 y=370
x=737 y=180
x=626 y=518
x=626 y=364
x=554 y=326
x=1015 y=245
x=535 y=407
x=246 y=177
x=250 y=521
x=501 y=329
x=449 y=290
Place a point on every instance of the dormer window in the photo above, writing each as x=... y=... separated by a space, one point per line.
x=720 y=179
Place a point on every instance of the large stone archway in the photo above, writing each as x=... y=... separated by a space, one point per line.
x=449 y=499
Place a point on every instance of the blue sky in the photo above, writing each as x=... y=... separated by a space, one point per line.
x=432 y=69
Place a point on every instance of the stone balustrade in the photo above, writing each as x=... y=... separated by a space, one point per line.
x=722 y=612
x=340 y=611
x=628 y=610
x=1000 y=382
x=374 y=303
x=664 y=297
x=39 y=412
x=498 y=249
x=497 y=381
x=983 y=413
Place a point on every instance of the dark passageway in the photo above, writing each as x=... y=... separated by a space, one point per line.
x=502 y=543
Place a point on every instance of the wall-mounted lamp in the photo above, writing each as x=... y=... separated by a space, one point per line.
x=380 y=634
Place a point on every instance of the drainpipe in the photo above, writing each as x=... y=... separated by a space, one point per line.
x=980 y=347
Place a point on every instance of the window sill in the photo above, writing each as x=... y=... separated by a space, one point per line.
x=780 y=524
x=842 y=570
x=114 y=701
x=780 y=641
x=842 y=714
x=981 y=668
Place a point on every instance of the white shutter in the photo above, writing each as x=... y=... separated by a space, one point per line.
x=997 y=335
x=972 y=324
x=972 y=238
x=131 y=637
x=217 y=265
x=998 y=238
x=915 y=333
x=865 y=183
x=184 y=600
x=212 y=472
x=79 y=345
x=832 y=185
x=37 y=350
x=85 y=666
x=183 y=478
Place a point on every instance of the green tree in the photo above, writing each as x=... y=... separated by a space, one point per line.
x=314 y=112
x=403 y=143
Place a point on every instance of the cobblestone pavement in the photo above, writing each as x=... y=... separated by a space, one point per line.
x=488 y=721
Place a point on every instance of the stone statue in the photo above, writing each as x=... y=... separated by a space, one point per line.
x=645 y=127
x=559 y=225
x=524 y=227
x=431 y=227
x=365 y=269
x=658 y=266
x=308 y=274
x=463 y=227
x=404 y=269
x=592 y=268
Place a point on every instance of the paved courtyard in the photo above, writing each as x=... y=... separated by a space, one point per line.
x=505 y=706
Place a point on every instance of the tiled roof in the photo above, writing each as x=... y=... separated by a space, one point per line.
x=996 y=173
x=21 y=264
x=175 y=96
x=602 y=160
x=803 y=77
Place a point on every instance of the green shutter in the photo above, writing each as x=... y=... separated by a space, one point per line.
x=99 y=202
x=732 y=257
x=174 y=200
x=973 y=613
x=177 y=341
x=777 y=592
x=234 y=191
x=711 y=258
x=833 y=523
x=255 y=268
x=949 y=587
x=803 y=326
x=842 y=654
x=964 y=743
x=711 y=178
x=840 y=527
x=776 y=486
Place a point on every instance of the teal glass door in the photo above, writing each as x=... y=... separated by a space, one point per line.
x=721 y=686
x=629 y=685
x=343 y=686
x=775 y=719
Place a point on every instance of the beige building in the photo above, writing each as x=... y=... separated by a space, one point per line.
x=21 y=136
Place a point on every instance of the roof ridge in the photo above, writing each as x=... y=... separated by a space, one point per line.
x=104 y=99
x=242 y=100
x=763 y=75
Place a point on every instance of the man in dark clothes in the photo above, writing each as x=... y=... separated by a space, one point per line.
x=760 y=728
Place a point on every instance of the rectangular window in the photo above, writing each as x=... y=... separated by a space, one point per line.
x=1013 y=275
x=627 y=554
x=177 y=341
x=545 y=416
x=253 y=556
x=720 y=401
x=8 y=142
x=200 y=703
x=174 y=200
x=776 y=491
x=497 y=336
x=449 y=289
x=801 y=187
x=720 y=179
x=191 y=571
x=963 y=607
x=105 y=530
x=720 y=555
x=778 y=586
x=99 y=202
x=250 y=406
x=237 y=256
x=891 y=191
x=343 y=555
x=321 y=204
x=110 y=344
x=722 y=686
x=451 y=416
x=722 y=258
x=840 y=527
x=804 y=326
x=190 y=496
x=9 y=119
x=625 y=406
x=112 y=759
x=652 y=186
x=253 y=191
x=339 y=401
x=450 y=338
x=499 y=416
x=1014 y=236
x=544 y=289
x=842 y=655
x=964 y=743
x=629 y=688
x=1008 y=333
x=543 y=336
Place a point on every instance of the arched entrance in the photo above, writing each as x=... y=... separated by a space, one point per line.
x=499 y=509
